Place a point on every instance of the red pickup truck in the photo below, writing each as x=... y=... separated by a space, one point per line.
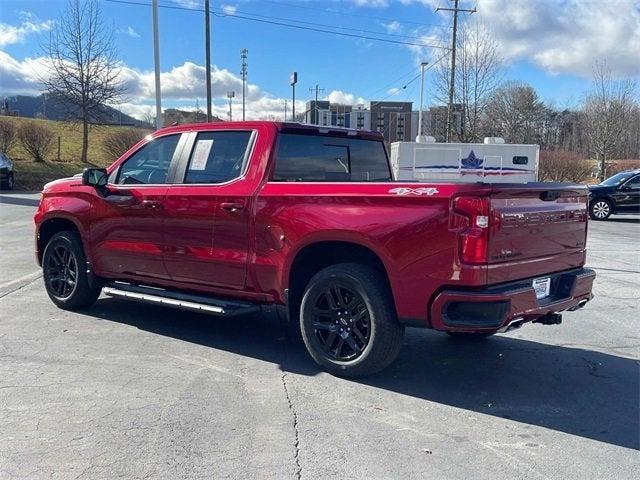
x=227 y=218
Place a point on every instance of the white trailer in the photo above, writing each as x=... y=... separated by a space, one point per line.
x=492 y=161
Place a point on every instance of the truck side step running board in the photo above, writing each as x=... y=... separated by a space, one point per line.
x=180 y=300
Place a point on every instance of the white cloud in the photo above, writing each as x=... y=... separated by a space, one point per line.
x=338 y=96
x=20 y=77
x=181 y=87
x=129 y=31
x=392 y=27
x=559 y=36
x=190 y=3
x=229 y=9
x=10 y=34
x=370 y=3
x=186 y=81
x=568 y=36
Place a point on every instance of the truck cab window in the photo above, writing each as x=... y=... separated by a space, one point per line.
x=150 y=164
x=318 y=158
x=218 y=157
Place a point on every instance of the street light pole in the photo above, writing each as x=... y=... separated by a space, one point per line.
x=156 y=61
x=243 y=55
x=230 y=96
x=422 y=67
x=294 y=80
x=207 y=35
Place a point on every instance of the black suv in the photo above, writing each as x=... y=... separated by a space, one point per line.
x=617 y=194
x=6 y=172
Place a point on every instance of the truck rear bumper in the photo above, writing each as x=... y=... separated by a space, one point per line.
x=496 y=307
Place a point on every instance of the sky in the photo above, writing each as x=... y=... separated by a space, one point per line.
x=550 y=44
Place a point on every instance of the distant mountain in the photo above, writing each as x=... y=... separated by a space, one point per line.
x=51 y=108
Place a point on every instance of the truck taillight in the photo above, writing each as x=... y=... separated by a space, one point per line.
x=473 y=236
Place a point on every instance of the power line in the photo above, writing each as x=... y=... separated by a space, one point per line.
x=452 y=80
x=353 y=29
x=351 y=14
x=288 y=25
x=438 y=60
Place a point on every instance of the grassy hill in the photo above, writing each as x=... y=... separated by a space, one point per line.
x=30 y=175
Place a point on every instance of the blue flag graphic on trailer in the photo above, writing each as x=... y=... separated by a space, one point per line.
x=472 y=161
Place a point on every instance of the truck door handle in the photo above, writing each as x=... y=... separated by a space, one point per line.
x=232 y=206
x=151 y=204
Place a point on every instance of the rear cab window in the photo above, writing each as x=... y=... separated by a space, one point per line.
x=303 y=157
x=218 y=156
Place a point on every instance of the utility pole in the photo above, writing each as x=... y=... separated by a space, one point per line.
x=422 y=67
x=452 y=80
x=207 y=49
x=156 y=61
x=285 y=110
x=315 y=105
x=230 y=96
x=243 y=71
x=293 y=80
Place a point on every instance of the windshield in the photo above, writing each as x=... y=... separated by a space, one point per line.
x=617 y=179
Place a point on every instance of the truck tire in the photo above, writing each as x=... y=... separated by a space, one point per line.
x=65 y=274
x=8 y=185
x=348 y=320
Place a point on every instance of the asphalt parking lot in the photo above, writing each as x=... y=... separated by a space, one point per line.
x=133 y=391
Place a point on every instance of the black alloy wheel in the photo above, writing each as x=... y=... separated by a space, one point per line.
x=65 y=272
x=61 y=272
x=341 y=324
x=348 y=320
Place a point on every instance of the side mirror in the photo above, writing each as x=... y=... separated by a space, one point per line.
x=94 y=177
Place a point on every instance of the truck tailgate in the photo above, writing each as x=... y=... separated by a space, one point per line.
x=535 y=223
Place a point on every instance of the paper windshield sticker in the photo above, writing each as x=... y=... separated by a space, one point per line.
x=201 y=155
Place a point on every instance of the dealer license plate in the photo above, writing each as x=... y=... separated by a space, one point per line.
x=542 y=286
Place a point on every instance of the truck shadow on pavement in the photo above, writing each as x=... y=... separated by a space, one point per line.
x=567 y=388
x=24 y=201
x=623 y=219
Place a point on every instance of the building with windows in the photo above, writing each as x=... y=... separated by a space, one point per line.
x=360 y=117
x=392 y=119
x=318 y=112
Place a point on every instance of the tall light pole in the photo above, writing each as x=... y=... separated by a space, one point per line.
x=230 y=96
x=243 y=71
x=207 y=49
x=293 y=80
x=422 y=67
x=156 y=61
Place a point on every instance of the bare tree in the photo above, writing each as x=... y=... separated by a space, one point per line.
x=478 y=73
x=8 y=135
x=118 y=142
x=607 y=108
x=562 y=166
x=37 y=139
x=515 y=112
x=83 y=71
